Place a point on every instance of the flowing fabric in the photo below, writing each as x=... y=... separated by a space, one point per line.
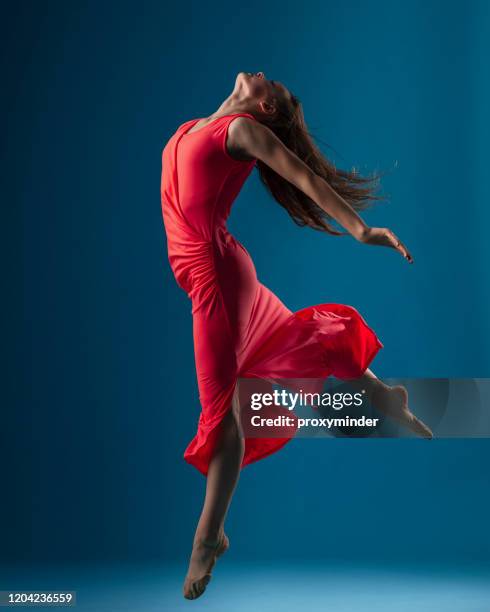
x=240 y=328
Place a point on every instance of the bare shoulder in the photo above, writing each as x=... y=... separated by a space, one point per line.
x=248 y=136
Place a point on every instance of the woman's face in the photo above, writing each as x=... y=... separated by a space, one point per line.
x=255 y=86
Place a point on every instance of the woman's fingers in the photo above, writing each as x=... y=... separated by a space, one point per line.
x=382 y=236
x=399 y=246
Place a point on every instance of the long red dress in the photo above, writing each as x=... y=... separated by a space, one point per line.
x=240 y=328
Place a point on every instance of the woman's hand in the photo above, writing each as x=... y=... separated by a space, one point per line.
x=382 y=236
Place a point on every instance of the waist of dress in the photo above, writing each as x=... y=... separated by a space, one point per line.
x=192 y=256
x=191 y=241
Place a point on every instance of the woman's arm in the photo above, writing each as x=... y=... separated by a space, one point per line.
x=257 y=140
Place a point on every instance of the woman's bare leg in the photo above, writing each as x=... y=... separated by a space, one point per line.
x=222 y=478
x=392 y=401
x=223 y=474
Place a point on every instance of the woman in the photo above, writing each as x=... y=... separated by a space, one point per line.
x=241 y=329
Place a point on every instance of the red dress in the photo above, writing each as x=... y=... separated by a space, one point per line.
x=240 y=328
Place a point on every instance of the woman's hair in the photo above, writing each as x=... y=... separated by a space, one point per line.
x=289 y=126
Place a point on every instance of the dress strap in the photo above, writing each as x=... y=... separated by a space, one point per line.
x=233 y=115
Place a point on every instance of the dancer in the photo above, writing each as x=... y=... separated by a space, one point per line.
x=241 y=329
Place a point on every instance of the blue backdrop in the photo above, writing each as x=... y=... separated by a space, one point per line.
x=100 y=392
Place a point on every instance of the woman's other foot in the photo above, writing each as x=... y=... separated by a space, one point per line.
x=393 y=401
x=204 y=554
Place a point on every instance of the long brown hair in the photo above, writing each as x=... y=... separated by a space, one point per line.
x=289 y=126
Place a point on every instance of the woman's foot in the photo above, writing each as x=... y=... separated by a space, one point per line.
x=203 y=558
x=393 y=401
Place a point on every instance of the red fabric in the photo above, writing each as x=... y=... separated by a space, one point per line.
x=241 y=329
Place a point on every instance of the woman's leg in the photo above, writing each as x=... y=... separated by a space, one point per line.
x=223 y=474
x=390 y=400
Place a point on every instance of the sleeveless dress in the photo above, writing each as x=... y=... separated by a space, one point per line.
x=240 y=328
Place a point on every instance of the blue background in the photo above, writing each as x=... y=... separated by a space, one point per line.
x=100 y=392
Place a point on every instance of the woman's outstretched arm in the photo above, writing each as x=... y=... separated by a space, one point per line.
x=257 y=140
